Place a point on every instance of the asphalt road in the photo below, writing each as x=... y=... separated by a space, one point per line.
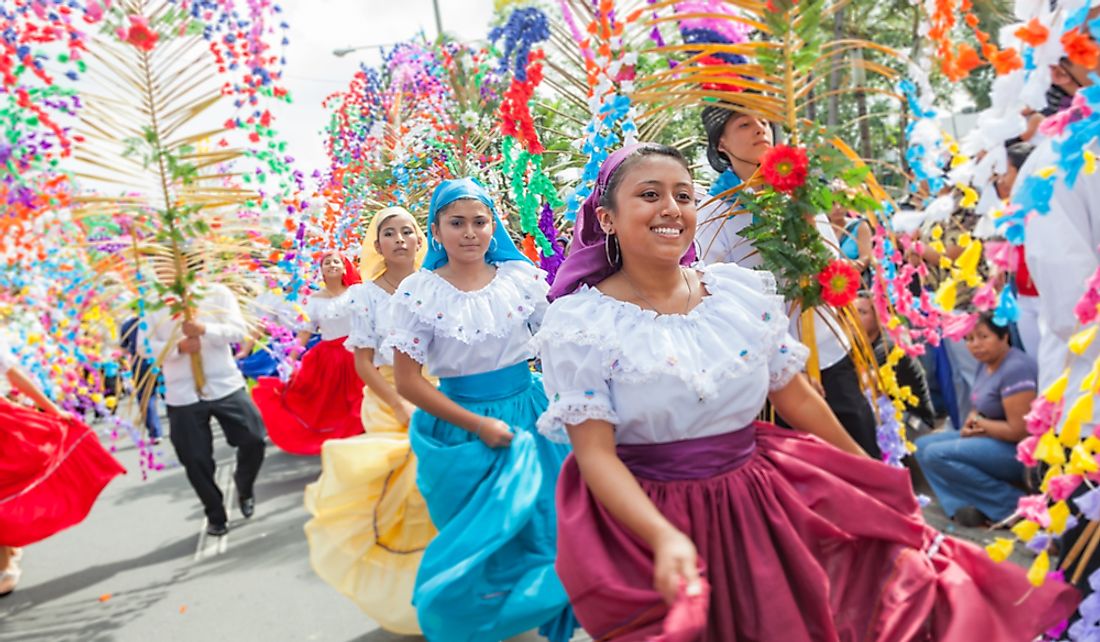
x=139 y=568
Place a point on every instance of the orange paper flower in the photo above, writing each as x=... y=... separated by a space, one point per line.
x=968 y=59
x=1081 y=49
x=1006 y=61
x=1033 y=33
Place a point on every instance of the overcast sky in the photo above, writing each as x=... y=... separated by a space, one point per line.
x=319 y=26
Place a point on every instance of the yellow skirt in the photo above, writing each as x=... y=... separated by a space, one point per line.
x=370 y=525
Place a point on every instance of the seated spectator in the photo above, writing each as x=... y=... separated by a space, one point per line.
x=974 y=471
x=919 y=419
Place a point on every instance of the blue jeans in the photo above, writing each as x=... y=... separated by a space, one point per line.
x=972 y=471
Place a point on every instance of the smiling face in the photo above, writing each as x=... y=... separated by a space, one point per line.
x=332 y=267
x=745 y=139
x=652 y=209
x=465 y=228
x=397 y=240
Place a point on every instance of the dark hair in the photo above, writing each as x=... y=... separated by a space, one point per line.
x=1018 y=153
x=443 y=210
x=607 y=198
x=986 y=319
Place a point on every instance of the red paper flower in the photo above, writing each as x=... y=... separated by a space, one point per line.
x=139 y=34
x=784 y=167
x=839 y=283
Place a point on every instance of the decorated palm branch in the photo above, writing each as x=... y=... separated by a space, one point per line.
x=161 y=140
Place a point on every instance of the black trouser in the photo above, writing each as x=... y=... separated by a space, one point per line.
x=845 y=397
x=193 y=441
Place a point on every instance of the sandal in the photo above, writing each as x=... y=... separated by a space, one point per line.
x=8 y=580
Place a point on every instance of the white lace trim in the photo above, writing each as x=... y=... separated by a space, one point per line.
x=731 y=333
x=516 y=292
x=777 y=379
x=406 y=342
x=324 y=310
x=571 y=411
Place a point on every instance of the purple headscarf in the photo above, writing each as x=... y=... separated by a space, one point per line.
x=587 y=262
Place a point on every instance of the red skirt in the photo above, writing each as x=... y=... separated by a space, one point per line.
x=320 y=402
x=799 y=542
x=51 y=472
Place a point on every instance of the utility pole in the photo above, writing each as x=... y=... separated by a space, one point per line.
x=438 y=19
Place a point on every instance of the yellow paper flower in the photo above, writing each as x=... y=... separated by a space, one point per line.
x=1090 y=162
x=1080 y=414
x=1057 y=390
x=945 y=295
x=1080 y=342
x=1081 y=462
x=1059 y=513
x=1025 y=530
x=1037 y=574
x=1000 y=549
x=1050 y=450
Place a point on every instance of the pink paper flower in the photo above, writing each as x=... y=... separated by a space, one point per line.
x=1025 y=451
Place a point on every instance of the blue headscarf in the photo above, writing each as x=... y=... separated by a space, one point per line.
x=501 y=248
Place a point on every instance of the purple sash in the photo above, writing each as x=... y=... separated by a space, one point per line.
x=691 y=458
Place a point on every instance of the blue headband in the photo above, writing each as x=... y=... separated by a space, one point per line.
x=501 y=248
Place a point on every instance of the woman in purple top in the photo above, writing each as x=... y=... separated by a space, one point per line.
x=974 y=471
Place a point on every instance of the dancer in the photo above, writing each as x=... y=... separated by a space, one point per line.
x=52 y=469
x=487 y=476
x=370 y=524
x=736 y=143
x=657 y=373
x=216 y=324
x=323 y=397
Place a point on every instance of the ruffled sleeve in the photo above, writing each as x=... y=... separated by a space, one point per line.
x=575 y=370
x=756 y=290
x=364 y=332
x=787 y=359
x=410 y=332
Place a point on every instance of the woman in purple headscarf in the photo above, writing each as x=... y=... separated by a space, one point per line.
x=680 y=517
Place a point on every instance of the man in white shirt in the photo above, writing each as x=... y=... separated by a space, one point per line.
x=217 y=324
x=735 y=144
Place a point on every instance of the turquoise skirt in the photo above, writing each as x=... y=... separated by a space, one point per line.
x=489 y=574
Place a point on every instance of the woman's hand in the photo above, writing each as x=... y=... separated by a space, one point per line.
x=675 y=564
x=972 y=427
x=404 y=412
x=495 y=433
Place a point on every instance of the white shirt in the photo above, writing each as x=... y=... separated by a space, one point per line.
x=220 y=312
x=370 y=320
x=662 y=378
x=275 y=308
x=459 y=333
x=1061 y=252
x=331 y=316
x=720 y=241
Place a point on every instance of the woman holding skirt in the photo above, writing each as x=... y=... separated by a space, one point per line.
x=370 y=524
x=486 y=474
x=680 y=515
x=52 y=469
x=323 y=398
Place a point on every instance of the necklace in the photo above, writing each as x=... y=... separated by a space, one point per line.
x=637 y=293
x=393 y=288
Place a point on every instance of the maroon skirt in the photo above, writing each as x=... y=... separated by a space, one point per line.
x=798 y=541
x=321 y=401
